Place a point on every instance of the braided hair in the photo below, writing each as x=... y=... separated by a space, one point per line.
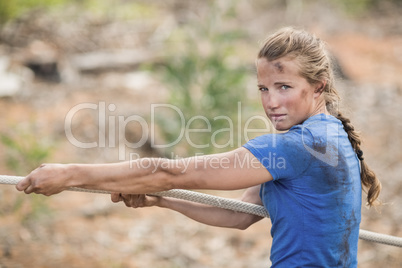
x=316 y=66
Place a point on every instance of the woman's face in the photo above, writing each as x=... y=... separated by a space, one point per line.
x=288 y=99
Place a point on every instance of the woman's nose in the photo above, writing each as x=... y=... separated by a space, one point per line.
x=271 y=101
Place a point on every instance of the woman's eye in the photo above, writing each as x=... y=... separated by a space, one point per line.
x=263 y=89
x=284 y=87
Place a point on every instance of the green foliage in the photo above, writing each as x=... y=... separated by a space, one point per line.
x=121 y=10
x=24 y=152
x=355 y=7
x=27 y=208
x=206 y=82
x=11 y=9
x=359 y=7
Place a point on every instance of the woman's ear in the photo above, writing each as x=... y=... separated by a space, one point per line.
x=319 y=88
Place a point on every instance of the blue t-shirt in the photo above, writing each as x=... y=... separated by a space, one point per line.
x=314 y=199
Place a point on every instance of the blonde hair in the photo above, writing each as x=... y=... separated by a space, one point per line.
x=316 y=66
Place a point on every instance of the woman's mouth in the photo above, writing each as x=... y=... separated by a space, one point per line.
x=277 y=117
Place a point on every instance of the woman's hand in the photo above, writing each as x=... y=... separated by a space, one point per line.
x=135 y=200
x=202 y=213
x=47 y=179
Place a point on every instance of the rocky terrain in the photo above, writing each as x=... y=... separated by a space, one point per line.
x=52 y=62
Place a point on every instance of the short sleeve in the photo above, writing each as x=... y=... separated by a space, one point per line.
x=284 y=155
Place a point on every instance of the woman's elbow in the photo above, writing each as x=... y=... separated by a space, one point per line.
x=246 y=221
x=243 y=226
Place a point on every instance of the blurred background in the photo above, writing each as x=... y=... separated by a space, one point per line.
x=123 y=57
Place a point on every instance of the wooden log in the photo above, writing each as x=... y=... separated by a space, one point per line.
x=98 y=61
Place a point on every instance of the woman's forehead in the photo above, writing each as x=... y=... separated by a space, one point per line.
x=282 y=66
x=279 y=66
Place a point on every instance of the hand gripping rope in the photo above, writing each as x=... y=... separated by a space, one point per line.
x=225 y=203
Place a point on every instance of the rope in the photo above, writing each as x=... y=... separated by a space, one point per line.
x=225 y=203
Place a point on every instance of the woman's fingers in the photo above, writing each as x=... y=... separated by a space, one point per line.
x=48 y=179
x=115 y=197
x=23 y=184
x=134 y=200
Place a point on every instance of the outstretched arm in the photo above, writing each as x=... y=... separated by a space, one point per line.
x=238 y=169
x=199 y=212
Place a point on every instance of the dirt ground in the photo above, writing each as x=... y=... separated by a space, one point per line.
x=87 y=230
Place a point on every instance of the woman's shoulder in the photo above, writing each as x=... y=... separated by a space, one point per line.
x=318 y=122
x=315 y=129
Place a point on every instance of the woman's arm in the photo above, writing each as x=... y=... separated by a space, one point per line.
x=236 y=169
x=199 y=212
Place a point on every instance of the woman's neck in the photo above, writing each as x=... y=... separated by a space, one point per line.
x=320 y=108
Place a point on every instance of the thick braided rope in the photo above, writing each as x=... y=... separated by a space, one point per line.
x=225 y=203
x=216 y=201
x=207 y=199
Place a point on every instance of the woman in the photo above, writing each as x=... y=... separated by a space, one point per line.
x=313 y=195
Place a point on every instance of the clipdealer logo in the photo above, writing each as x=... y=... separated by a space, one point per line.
x=109 y=121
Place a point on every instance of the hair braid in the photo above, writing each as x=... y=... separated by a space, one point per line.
x=316 y=66
x=368 y=177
